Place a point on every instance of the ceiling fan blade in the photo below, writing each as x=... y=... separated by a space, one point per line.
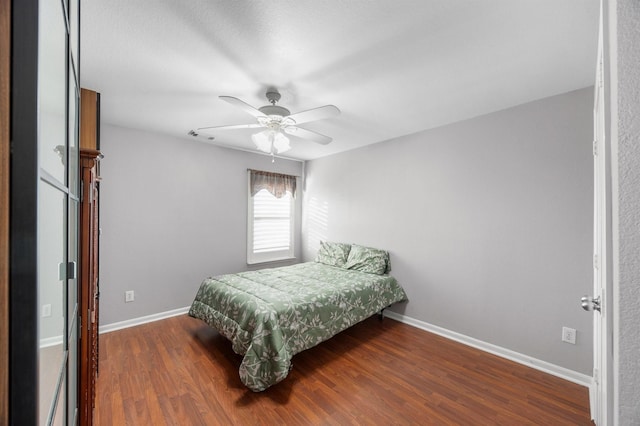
x=314 y=114
x=242 y=105
x=232 y=127
x=307 y=134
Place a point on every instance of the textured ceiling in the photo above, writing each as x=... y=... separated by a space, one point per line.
x=392 y=67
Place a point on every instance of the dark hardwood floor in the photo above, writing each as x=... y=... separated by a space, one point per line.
x=178 y=371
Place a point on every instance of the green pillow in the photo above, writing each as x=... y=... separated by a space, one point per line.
x=333 y=254
x=367 y=259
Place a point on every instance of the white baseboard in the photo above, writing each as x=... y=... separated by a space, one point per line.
x=51 y=341
x=142 y=320
x=555 y=370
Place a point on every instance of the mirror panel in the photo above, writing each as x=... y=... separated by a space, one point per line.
x=74 y=30
x=72 y=313
x=59 y=415
x=52 y=94
x=72 y=388
x=74 y=103
x=52 y=230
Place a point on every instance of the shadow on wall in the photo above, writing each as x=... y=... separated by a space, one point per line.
x=317 y=223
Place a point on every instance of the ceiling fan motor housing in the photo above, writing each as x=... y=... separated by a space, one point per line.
x=273 y=96
x=274 y=110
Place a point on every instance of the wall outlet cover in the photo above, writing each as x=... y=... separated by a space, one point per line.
x=46 y=310
x=569 y=335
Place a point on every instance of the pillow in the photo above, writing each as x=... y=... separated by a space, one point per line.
x=367 y=259
x=333 y=254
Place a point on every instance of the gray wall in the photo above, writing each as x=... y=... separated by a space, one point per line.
x=488 y=222
x=173 y=211
x=628 y=212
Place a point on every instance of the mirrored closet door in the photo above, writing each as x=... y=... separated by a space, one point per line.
x=57 y=217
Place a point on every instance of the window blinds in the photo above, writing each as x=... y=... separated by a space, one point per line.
x=271 y=216
x=271 y=222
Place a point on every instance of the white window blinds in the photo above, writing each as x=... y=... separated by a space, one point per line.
x=270 y=222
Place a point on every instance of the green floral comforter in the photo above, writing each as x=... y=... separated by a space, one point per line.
x=272 y=314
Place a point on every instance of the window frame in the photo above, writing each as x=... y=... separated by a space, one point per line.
x=271 y=256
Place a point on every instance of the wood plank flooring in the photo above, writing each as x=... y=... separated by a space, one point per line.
x=178 y=371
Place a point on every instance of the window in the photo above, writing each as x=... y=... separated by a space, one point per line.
x=270 y=235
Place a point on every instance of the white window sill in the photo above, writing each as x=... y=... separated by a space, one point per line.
x=275 y=260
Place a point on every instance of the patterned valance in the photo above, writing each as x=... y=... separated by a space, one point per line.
x=276 y=183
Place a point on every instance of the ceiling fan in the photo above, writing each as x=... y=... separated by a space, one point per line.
x=277 y=120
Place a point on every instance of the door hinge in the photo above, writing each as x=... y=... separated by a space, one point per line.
x=595 y=147
x=596 y=264
x=596 y=376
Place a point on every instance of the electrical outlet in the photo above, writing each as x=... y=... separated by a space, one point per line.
x=46 y=310
x=569 y=335
x=129 y=296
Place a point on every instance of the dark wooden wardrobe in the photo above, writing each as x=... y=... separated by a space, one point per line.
x=90 y=158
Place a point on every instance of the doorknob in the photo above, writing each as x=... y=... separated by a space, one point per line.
x=590 y=304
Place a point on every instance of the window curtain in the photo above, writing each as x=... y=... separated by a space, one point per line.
x=277 y=184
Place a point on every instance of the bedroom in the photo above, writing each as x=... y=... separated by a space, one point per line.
x=487 y=217
x=523 y=173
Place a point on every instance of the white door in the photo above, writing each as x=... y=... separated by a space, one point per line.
x=600 y=302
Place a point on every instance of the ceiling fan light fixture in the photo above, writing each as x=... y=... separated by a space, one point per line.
x=270 y=140
x=262 y=141
x=281 y=143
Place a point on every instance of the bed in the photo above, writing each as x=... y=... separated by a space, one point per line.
x=269 y=315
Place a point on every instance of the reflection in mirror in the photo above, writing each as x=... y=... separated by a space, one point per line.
x=52 y=90
x=51 y=288
x=72 y=313
x=72 y=411
x=72 y=281
x=73 y=30
x=73 y=134
x=58 y=419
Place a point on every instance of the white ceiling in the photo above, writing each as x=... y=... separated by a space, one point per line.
x=392 y=67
